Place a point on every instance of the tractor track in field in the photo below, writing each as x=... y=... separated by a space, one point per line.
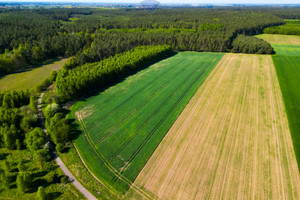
x=157 y=126
x=108 y=165
x=130 y=97
x=157 y=110
x=110 y=131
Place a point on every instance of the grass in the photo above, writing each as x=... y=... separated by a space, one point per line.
x=29 y=78
x=53 y=190
x=122 y=126
x=280 y=39
x=78 y=169
x=287 y=64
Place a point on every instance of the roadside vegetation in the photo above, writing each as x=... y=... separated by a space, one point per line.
x=26 y=163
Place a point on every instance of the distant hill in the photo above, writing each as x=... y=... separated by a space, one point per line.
x=150 y=4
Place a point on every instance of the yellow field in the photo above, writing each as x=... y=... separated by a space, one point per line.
x=232 y=141
x=280 y=39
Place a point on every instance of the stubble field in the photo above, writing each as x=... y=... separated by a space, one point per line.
x=232 y=141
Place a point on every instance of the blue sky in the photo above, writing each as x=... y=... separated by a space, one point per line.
x=175 y=1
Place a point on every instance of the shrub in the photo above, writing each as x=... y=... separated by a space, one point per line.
x=60 y=147
x=41 y=193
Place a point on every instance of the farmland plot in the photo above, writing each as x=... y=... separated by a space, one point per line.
x=287 y=64
x=232 y=141
x=280 y=39
x=122 y=126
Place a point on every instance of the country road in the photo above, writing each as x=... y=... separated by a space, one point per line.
x=59 y=162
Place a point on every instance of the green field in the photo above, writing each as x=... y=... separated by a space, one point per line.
x=122 y=126
x=29 y=78
x=287 y=64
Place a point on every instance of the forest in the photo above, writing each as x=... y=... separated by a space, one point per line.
x=30 y=36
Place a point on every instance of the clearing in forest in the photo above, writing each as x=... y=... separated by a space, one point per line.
x=29 y=77
x=232 y=141
x=122 y=126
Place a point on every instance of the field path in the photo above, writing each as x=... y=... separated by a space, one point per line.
x=232 y=141
x=59 y=162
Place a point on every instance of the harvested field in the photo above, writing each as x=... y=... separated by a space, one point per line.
x=232 y=141
x=280 y=39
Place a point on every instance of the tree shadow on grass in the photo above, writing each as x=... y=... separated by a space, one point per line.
x=3 y=156
x=53 y=195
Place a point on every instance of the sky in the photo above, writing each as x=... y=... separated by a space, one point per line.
x=173 y=1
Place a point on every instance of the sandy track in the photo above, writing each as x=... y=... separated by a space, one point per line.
x=232 y=141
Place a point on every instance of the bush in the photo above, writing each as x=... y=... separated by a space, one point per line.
x=41 y=193
x=51 y=177
x=51 y=110
x=60 y=147
x=44 y=85
x=21 y=182
x=35 y=139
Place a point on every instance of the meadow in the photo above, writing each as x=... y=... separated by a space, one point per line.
x=30 y=77
x=280 y=39
x=122 y=126
x=232 y=141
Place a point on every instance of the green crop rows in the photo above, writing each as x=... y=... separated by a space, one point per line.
x=122 y=126
x=287 y=64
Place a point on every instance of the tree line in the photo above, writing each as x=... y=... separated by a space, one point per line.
x=248 y=44
x=71 y=84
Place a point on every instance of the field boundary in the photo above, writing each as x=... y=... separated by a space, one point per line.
x=92 y=172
